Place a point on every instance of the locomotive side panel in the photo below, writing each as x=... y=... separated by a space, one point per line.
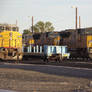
x=69 y=39
x=81 y=41
x=89 y=41
x=10 y=39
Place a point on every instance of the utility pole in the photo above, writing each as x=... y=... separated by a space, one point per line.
x=76 y=17
x=16 y=22
x=79 y=22
x=32 y=25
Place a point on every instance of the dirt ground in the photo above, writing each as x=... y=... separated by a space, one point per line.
x=39 y=78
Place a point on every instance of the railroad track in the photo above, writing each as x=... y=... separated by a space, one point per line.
x=81 y=63
x=70 y=63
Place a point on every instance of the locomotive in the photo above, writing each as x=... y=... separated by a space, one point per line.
x=79 y=42
x=10 y=42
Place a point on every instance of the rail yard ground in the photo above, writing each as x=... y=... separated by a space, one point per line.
x=44 y=78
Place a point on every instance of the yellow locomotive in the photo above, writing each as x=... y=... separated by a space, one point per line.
x=10 y=42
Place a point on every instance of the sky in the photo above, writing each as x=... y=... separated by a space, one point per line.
x=59 y=12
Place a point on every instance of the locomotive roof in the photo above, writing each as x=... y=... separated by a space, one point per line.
x=9 y=25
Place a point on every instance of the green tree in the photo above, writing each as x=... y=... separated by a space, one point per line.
x=43 y=27
x=26 y=31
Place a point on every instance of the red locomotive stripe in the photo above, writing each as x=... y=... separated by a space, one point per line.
x=10 y=47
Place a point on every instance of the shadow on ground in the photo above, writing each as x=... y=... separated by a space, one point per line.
x=52 y=70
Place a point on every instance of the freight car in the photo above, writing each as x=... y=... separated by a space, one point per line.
x=46 y=52
x=79 y=42
x=58 y=53
x=10 y=42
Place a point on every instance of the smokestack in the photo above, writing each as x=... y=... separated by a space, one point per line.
x=79 y=22
x=76 y=17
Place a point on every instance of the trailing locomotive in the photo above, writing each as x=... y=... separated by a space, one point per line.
x=47 y=38
x=79 y=42
x=10 y=42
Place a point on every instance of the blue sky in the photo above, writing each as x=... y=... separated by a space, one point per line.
x=59 y=12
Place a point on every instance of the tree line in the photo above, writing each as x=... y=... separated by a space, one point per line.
x=41 y=27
